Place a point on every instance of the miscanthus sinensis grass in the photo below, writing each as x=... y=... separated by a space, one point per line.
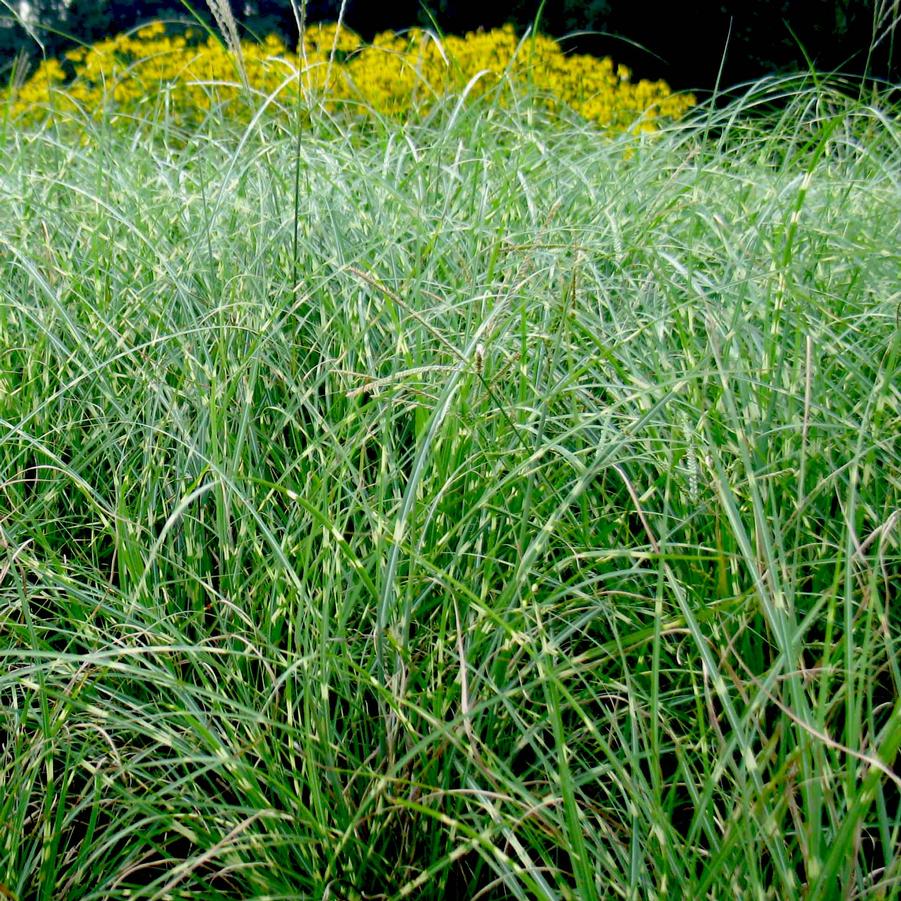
x=494 y=510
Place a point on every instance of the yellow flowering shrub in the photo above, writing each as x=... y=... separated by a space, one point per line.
x=396 y=75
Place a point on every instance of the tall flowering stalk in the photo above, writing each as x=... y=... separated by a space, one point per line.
x=228 y=28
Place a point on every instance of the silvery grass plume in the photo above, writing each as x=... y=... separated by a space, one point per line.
x=331 y=56
x=20 y=71
x=225 y=22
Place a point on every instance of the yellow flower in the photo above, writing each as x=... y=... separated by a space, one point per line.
x=396 y=75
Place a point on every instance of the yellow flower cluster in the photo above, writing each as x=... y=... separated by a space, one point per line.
x=396 y=75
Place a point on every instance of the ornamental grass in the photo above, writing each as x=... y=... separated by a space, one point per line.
x=458 y=508
x=447 y=506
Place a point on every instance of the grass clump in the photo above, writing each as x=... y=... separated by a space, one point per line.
x=492 y=511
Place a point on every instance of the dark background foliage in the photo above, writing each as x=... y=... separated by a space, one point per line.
x=681 y=42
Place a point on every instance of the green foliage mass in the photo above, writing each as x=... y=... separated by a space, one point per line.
x=464 y=508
